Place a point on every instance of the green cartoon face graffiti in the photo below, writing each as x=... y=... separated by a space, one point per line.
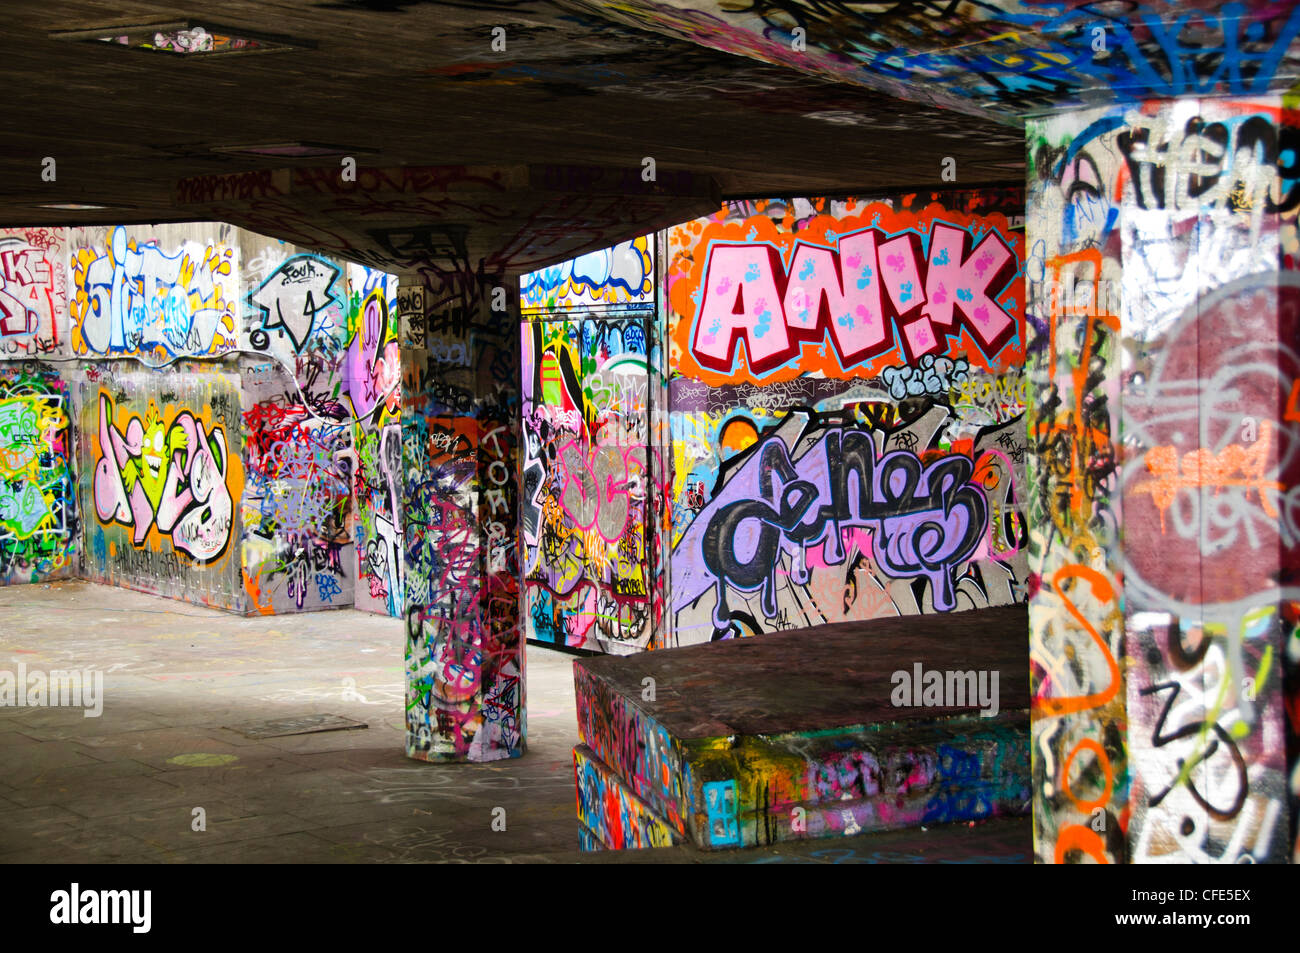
x=170 y=476
x=149 y=467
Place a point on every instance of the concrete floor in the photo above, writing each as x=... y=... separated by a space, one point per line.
x=123 y=787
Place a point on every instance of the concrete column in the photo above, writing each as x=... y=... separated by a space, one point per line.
x=464 y=650
x=1165 y=550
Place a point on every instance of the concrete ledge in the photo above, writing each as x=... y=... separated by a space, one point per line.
x=806 y=734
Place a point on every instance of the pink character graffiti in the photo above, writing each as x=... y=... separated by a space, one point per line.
x=174 y=477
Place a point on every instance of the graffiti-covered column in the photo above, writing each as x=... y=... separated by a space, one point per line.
x=1075 y=616
x=594 y=457
x=464 y=658
x=1209 y=475
x=1166 y=552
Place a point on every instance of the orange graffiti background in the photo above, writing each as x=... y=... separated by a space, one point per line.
x=687 y=254
x=156 y=540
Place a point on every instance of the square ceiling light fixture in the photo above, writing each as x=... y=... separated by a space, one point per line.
x=187 y=38
x=77 y=207
x=290 y=150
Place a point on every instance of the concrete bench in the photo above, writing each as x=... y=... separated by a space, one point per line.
x=805 y=734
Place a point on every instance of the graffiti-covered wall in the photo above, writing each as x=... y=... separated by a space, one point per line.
x=297 y=552
x=1288 y=615
x=314 y=414
x=1165 y=546
x=809 y=411
x=1076 y=616
x=161 y=473
x=33 y=293
x=272 y=370
x=846 y=411
x=154 y=293
x=594 y=471
x=39 y=515
x=375 y=392
x=152 y=310
x=38 y=501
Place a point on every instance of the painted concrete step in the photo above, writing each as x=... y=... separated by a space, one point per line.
x=723 y=742
x=612 y=816
x=769 y=789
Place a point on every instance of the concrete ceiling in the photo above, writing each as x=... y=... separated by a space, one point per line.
x=500 y=218
x=1002 y=59
x=714 y=94
x=418 y=84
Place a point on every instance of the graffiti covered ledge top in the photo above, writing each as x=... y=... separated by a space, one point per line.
x=787 y=681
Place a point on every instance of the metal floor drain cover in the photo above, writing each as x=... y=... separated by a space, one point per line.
x=302 y=725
